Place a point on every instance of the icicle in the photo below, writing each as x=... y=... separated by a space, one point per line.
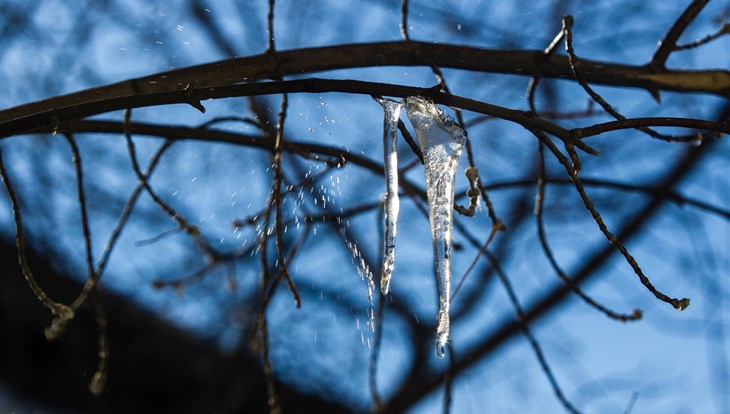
x=441 y=141
x=392 y=202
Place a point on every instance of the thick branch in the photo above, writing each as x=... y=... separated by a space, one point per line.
x=302 y=61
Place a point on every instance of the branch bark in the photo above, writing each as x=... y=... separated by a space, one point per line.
x=302 y=61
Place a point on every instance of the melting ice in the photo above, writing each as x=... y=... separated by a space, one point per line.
x=392 y=202
x=441 y=141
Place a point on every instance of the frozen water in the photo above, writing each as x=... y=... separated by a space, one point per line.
x=392 y=202
x=441 y=140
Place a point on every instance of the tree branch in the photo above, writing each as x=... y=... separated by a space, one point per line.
x=42 y=121
x=302 y=61
x=669 y=43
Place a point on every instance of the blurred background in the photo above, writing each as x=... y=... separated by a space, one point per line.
x=182 y=326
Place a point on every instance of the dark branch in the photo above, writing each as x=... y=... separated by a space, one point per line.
x=411 y=53
x=669 y=43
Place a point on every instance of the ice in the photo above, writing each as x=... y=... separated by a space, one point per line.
x=441 y=140
x=391 y=110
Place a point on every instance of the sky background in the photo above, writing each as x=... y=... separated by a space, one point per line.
x=669 y=361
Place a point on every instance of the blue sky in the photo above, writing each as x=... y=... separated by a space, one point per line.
x=671 y=359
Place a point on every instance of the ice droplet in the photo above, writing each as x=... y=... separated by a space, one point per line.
x=441 y=141
x=391 y=110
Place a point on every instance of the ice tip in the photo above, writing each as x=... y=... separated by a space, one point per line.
x=385 y=287
x=441 y=342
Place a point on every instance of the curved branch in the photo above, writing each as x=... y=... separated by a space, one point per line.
x=52 y=118
x=669 y=43
x=43 y=120
x=599 y=129
x=302 y=61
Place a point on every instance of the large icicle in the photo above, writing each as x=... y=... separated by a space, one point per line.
x=392 y=202
x=441 y=141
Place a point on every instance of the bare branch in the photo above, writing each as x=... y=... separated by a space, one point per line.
x=62 y=312
x=679 y=304
x=539 y=201
x=92 y=277
x=577 y=72
x=39 y=122
x=725 y=29
x=669 y=42
x=715 y=128
x=165 y=87
x=404 y=20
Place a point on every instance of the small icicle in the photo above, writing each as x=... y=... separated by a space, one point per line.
x=441 y=140
x=392 y=202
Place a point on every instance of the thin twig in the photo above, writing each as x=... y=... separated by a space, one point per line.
x=481 y=251
x=92 y=276
x=725 y=29
x=276 y=199
x=404 y=20
x=290 y=256
x=669 y=42
x=521 y=319
x=676 y=303
x=409 y=140
x=311 y=217
x=272 y=400
x=632 y=402
x=159 y=237
x=716 y=129
x=374 y=353
x=190 y=229
x=270 y=27
x=575 y=67
x=222 y=119
x=179 y=284
x=62 y=312
x=98 y=381
x=129 y=206
x=272 y=395
x=539 y=201
x=535 y=80
x=449 y=381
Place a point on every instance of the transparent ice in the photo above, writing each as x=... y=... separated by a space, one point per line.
x=391 y=110
x=441 y=140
